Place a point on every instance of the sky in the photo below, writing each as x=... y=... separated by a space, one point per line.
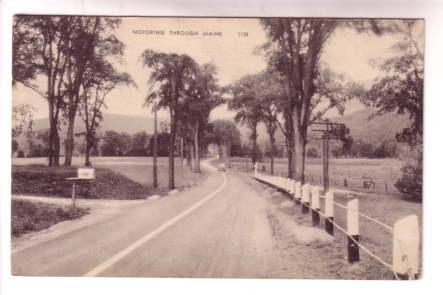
x=231 y=48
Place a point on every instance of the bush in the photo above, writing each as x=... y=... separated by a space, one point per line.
x=411 y=181
x=51 y=181
x=30 y=216
x=312 y=152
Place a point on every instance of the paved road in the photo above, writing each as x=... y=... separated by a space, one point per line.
x=218 y=229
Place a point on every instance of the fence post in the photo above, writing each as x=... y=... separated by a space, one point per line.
x=353 y=231
x=329 y=212
x=255 y=169
x=405 y=250
x=315 y=204
x=297 y=193
x=305 y=198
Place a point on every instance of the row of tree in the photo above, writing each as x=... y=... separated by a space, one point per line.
x=68 y=60
x=297 y=90
x=188 y=91
x=262 y=99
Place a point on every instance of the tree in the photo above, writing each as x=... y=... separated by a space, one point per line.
x=270 y=95
x=39 y=49
x=99 y=80
x=293 y=49
x=22 y=119
x=247 y=106
x=170 y=76
x=400 y=90
x=140 y=144
x=257 y=98
x=202 y=96
x=23 y=51
x=115 y=144
x=14 y=146
x=312 y=152
x=163 y=144
x=225 y=135
x=91 y=41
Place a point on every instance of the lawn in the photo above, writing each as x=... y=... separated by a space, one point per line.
x=116 y=178
x=30 y=216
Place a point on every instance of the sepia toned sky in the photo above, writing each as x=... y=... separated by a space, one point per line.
x=347 y=52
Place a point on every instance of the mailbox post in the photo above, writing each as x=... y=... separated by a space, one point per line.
x=83 y=174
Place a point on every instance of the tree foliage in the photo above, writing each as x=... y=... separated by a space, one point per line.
x=294 y=49
x=61 y=50
x=100 y=79
x=226 y=135
x=400 y=89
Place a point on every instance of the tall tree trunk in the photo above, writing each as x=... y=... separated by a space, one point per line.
x=56 y=159
x=192 y=153
x=197 y=149
x=172 y=152
x=290 y=143
x=254 y=144
x=154 y=152
x=51 y=140
x=188 y=154
x=225 y=154
x=181 y=154
x=300 y=156
x=290 y=164
x=88 y=151
x=272 y=140
x=69 y=143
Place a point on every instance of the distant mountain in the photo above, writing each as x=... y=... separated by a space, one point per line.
x=361 y=126
x=376 y=129
x=119 y=123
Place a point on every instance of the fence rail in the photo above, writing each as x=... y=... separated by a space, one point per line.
x=405 y=232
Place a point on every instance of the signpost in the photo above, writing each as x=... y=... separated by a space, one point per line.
x=330 y=131
x=82 y=175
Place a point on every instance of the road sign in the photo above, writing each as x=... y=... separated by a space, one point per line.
x=86 y=173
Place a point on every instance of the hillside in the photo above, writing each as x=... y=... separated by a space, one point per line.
x=360 y=125
x=119 y=123
x=376 y=129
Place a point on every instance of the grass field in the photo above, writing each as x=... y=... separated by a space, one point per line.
x=384 y=172
x=387 y=207
x=116 y=178
x=30 y=216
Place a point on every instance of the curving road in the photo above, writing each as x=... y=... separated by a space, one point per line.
x=217 y=229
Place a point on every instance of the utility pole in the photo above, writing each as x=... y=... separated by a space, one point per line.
x=154 y=158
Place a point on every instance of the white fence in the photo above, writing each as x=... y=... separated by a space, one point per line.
x=405 y=232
